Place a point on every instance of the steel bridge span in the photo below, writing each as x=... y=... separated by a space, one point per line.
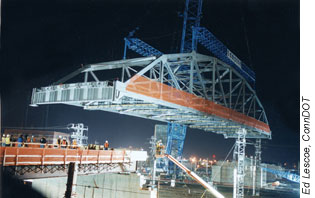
x=191 y=89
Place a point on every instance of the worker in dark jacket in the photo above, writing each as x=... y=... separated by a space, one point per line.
x=20 y=141
x=42 y=142
x=59 y=141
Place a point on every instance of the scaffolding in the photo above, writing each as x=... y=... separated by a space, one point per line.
x=239 y=172
x=79 y=134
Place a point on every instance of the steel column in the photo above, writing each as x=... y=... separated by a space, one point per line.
x=240 y=171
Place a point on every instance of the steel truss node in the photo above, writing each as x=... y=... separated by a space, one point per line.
x=208 y=95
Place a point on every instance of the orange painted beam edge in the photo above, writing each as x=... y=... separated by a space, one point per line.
x=157 y=90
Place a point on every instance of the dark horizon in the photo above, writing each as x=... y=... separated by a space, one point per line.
x=42 y=42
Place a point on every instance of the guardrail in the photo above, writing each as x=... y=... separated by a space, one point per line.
x=19 y=156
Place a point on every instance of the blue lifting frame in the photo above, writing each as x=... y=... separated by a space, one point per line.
x=287 y=175
x=140 y=47
x=216 y=47
x=176 y=134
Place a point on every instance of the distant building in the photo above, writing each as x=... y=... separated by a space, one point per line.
x=222 y=173
x=51 y=136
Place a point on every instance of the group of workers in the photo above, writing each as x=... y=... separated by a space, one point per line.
x=25 y=141
x=99 y=147
x=8 y=140
x=64 y=143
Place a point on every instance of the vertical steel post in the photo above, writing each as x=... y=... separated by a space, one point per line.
x=154 y=172
x=213 y=80
x=230 y=94
x=125 y=49
x=72 y=180
x=240 y=171
x=86 y=76
x=256 y=189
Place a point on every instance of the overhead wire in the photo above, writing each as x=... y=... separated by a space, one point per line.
x=246 y=34
x=224 y=160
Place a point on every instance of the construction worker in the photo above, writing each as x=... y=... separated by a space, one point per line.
x=43 y=142
x=3 y=140
x=159 y=147
x=7 y=141
x=106 y=145
x=20 y=141
x=33 y=139
x=74 y=143
x=64 y=143
x=28 y=140
x=59 y=141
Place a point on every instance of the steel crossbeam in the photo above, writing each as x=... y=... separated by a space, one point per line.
x=140 y=47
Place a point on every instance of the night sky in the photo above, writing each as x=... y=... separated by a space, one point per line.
x=42 y=41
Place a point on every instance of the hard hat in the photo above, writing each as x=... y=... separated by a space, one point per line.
x=60 y=136
x=3 y=135
x=8 y=135
x=106 y=141
x=32 y=135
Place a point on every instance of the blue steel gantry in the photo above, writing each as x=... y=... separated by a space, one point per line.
x=210 y=42
x=192 y=16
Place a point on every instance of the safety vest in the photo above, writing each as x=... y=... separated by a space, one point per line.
x=64 y=142
x=3 y=139
x=28 y=139
x=74 y=142
x=7 y=140
x=106 y=145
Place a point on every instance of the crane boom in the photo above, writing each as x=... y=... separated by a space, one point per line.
x=198 y=179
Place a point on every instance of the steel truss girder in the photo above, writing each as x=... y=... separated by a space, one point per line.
x=226 y=88
x=62 y=169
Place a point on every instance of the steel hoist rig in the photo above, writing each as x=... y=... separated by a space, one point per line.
x=212 y=93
